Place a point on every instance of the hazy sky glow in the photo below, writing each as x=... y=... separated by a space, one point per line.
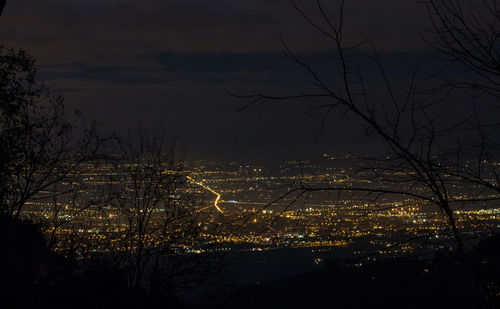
x=172 y=63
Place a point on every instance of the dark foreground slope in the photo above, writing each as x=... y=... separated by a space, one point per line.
x=34 y=277
x=446 y=281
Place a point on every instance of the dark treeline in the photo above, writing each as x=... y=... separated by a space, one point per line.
x=49 y=257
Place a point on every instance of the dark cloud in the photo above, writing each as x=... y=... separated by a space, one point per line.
x=119 y=27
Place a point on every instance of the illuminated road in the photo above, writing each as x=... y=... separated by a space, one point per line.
x=209 y=189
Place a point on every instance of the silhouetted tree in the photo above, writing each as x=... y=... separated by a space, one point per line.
x=132 y=215
x=2 y=6
x=152 y=218
x=466 y=33
x=421 y=160
x=41 y=145
x=135 y=222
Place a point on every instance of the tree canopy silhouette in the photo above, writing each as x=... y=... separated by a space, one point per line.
x=41 y=143
x=421 y=158
x=2 y=5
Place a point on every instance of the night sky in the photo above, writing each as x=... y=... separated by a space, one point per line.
x=152 y=62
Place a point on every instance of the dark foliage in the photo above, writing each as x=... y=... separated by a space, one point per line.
x=2 y=5
x=34 y=277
